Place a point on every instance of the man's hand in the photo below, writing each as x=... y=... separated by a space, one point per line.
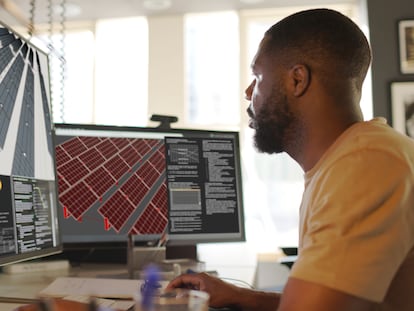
x=223 y=294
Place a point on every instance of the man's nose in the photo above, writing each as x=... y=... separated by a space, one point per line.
x=249 y=90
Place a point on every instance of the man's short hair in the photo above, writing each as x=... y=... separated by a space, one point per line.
x=321 y=38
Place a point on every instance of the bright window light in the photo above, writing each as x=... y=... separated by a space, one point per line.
x=212 y=68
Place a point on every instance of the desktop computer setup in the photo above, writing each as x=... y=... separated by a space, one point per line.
x=86 y=191
x=147 y=183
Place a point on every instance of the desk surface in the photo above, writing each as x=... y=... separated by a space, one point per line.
x=22 y=288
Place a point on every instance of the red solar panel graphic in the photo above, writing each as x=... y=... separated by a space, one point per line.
x=135 y=189
x=117 y=210
x=62 y=184
x=92 y=158
x=61 y=156
x=78 y=199
x=121 y=178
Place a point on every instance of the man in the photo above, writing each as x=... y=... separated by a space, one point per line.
x=356 y=247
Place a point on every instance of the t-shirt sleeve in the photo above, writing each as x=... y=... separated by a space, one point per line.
x=357 y=225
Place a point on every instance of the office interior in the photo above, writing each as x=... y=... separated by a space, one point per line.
x=270 y=215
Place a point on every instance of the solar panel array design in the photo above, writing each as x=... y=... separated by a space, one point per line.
x=122 y=178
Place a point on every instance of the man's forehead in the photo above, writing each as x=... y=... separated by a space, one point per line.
x=261 y=50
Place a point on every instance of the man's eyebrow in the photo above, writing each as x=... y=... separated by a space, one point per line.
x=253 y=66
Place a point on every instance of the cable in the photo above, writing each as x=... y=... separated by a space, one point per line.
x=32 y=17
x=58 y=53
x=238 y=282
x=62 y=60
x=51 y=49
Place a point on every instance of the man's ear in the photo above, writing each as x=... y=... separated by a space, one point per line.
x=300 y=76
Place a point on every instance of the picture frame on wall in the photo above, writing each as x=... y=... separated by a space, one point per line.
x=402 y=103
x=406 y=41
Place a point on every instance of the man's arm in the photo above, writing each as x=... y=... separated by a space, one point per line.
x=300 y=295
x=251 y=300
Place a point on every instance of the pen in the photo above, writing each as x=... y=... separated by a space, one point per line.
x=152 y=277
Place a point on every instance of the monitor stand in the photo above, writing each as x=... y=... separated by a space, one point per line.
x=181 y=251
x=130 y=256
x=139 y=257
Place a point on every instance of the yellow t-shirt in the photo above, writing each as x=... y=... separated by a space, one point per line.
x=357 y=217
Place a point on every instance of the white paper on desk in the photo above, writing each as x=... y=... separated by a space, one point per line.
x=103 y=288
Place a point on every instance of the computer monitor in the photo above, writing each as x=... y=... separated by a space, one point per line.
x=140 y=181
x=28 y=189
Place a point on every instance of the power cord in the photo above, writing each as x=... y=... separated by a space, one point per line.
x=237 y=282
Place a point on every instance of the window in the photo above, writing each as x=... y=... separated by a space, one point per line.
x=72 y=89
x=121 y=72
x=105 y=76
x=212 y=68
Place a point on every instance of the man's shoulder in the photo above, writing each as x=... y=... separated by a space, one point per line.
x=376 y=136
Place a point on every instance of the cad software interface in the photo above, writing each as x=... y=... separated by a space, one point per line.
x=118 y=182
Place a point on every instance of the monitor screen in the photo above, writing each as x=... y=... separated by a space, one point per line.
x=28 y=191
x=144 y=182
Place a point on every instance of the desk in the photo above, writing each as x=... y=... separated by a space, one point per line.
x=22 y=288
x=4 y=306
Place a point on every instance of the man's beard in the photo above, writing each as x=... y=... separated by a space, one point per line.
x=273 y=123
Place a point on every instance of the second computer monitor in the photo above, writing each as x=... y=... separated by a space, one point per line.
x=28 y=194
x=120 y=181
